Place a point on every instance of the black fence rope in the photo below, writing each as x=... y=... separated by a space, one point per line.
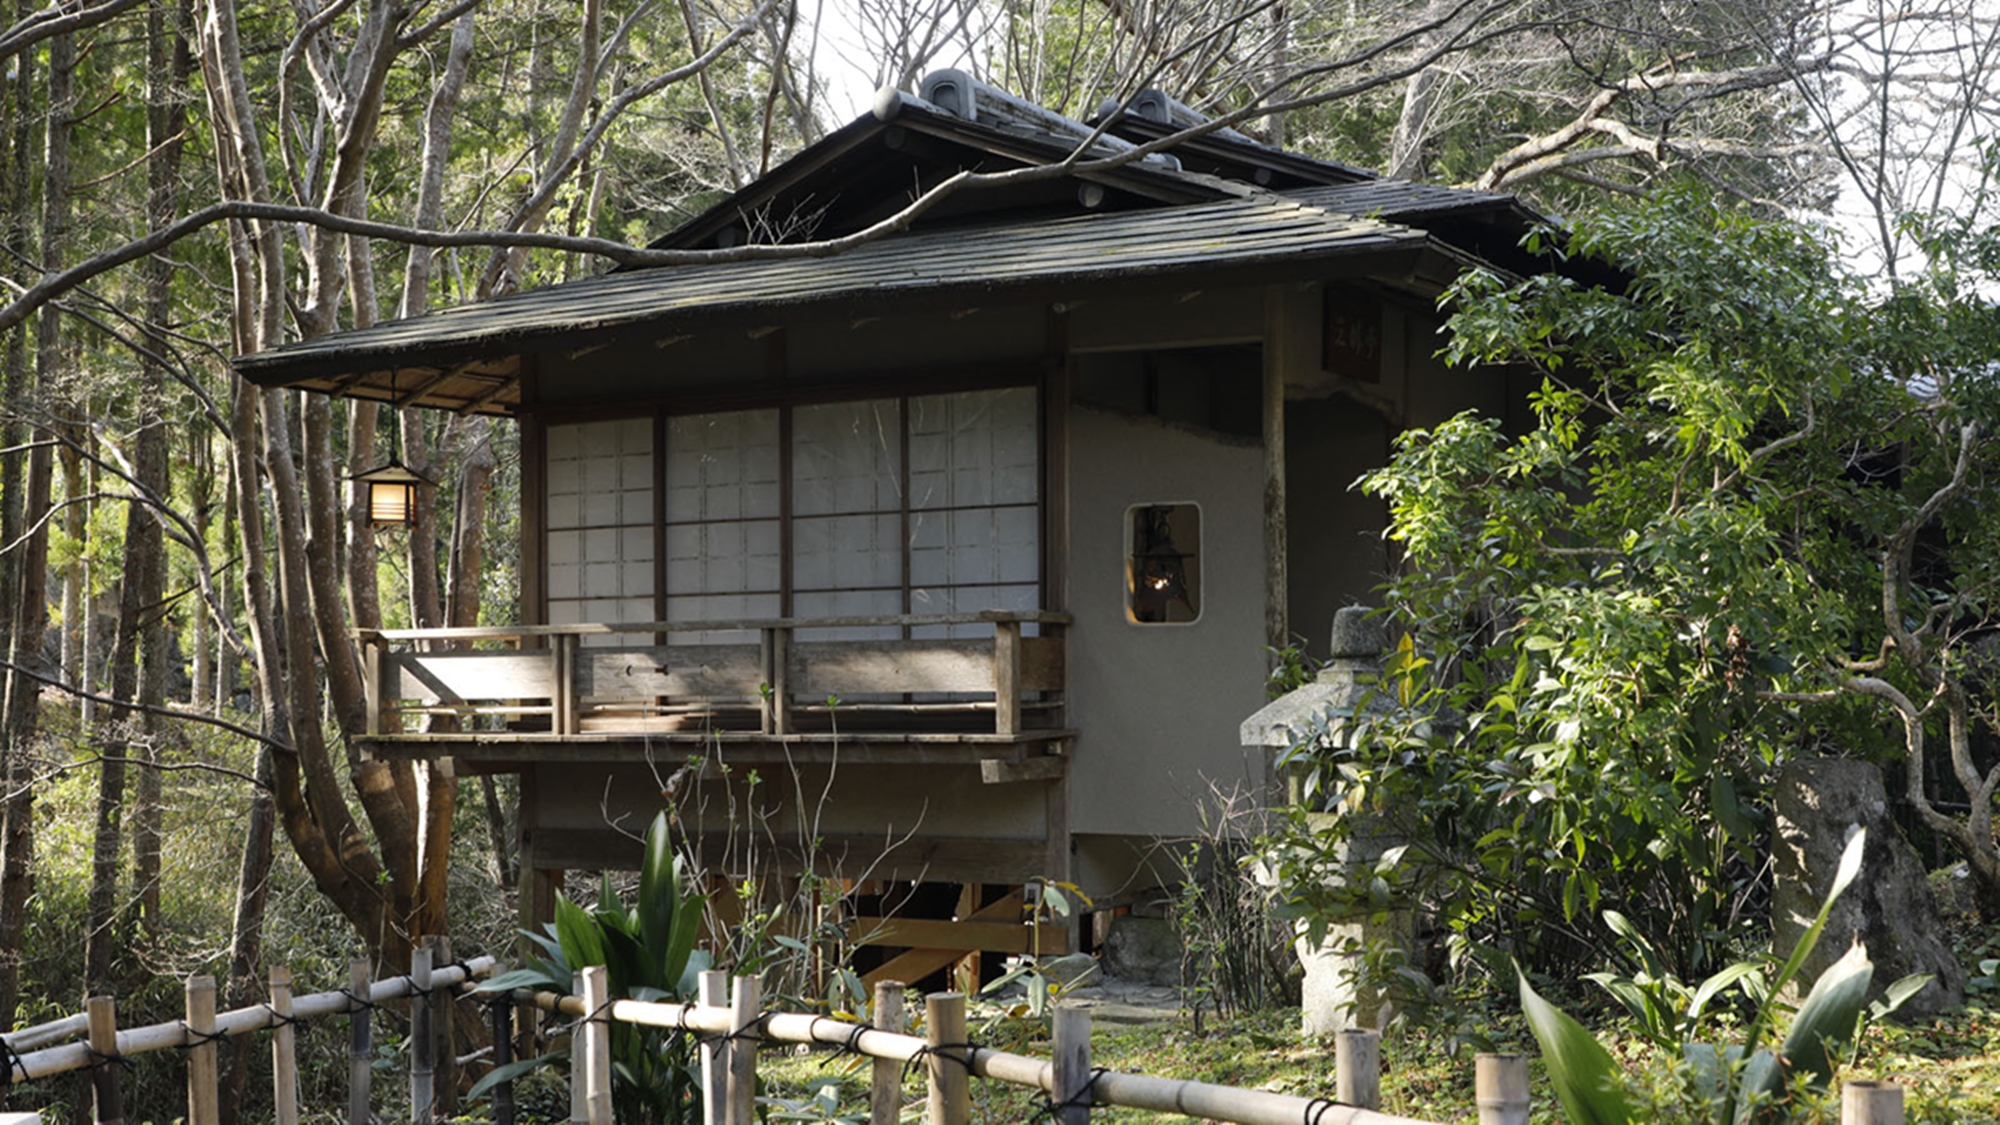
x=1316 y=1109
x=1084 y=1096
x=190 y=1038
x=939 y=1049
x=12 y=1063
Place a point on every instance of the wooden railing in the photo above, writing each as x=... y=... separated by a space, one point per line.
x=563 y=680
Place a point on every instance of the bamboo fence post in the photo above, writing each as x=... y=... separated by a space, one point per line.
x=423 y=1063
x=591 y=1046
x=744 y=1014
x=949 y=1074
x=444 y=1085
x=284 y=1049
x=713 y=992
x=885 y=1098
x=501 y=1012
x=203 y=1108
x=1357 y=1060
x=1073 y=1095
x=101 y=1014
x=360 y=1041
x=1871 y=1103
x=1500 y=1088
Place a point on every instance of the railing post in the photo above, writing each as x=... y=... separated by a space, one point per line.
x=1357 y=1061
x=946 y=1066
x=101 y=1012
x=744 y=1013
x=284 y=1055
x=780 y=641
x=372 y=667
x=885 y=1097
x=423 y=1064
x=590 y=1048
x=563 y=646
x=1073 y=1095
x=1500 y=1088
x=203 y=1109
x=713 y=992
x=1007 y=677
x=1871 y=1103
x=360 y=1042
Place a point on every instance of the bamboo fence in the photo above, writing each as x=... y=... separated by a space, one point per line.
x=731 y=1028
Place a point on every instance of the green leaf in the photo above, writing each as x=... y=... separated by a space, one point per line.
x=582 y=945
x=659 y=887
x=1828 y=1017
x=1850 y=867
x=521 y=978
x=513 y=1070
x=1585 y=1077
x=1897 y=994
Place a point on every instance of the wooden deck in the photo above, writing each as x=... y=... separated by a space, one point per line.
x=920 y=688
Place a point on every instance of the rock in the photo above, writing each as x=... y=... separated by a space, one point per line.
x=1072 y=970
x=1820 y=801
x=1143 y=949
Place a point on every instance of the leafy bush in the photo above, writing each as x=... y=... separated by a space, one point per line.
x=1740 y=1082
x=648 y=954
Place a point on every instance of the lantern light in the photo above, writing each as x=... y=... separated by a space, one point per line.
x=392 y=494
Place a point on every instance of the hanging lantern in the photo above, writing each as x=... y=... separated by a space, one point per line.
x=1157 y=572
x=392 y=494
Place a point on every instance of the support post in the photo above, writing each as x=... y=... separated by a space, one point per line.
x=1500 y=1088
x=1073 y=1094
x=284 y=1049
x=444 y=1084
x=744 y=1012
x=1357 y=1060
x=945 y=1066
x=712 y=990
x=360 y=1042
x=1007 y=677
x=203 y=1108
x=885 y=1091
x=101 y=1016
x=423 y=1064
x=1871 y=1103
x=501 y=1013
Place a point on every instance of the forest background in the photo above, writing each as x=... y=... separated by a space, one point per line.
x=182 y=181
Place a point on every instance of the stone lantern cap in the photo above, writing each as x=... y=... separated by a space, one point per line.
x=1345 y=688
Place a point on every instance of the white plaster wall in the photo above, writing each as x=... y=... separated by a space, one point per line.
x=1158 y=705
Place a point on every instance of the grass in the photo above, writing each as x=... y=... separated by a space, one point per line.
x=1949 y=1066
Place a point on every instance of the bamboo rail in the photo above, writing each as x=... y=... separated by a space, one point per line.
x=734 y=1028
x=40 y=1051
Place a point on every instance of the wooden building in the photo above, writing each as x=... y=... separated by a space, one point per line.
x=968 y=540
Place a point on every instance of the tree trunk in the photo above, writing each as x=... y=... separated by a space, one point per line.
x=19 y=593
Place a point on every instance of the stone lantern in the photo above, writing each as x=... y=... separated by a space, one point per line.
x=1342 y=701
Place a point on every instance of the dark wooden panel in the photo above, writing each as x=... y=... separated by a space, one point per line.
x=456 y=677
x=719 y=672
x=820 y=668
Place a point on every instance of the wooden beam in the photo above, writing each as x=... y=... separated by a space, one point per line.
x=1047 y=767
x=965 y=937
